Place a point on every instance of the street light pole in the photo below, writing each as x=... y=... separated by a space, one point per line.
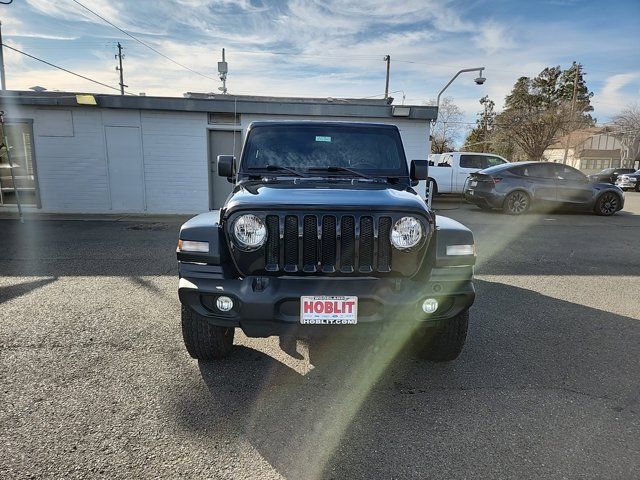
x=480 y=80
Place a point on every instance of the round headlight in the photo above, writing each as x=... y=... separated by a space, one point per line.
x=249 y=232
x=406 y=233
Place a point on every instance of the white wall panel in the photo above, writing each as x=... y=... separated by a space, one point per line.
x=175 y=161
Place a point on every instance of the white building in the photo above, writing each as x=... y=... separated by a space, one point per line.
x=154 y=154
x=590 y=150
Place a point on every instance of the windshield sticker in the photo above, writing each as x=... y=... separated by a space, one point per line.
x=322 y=139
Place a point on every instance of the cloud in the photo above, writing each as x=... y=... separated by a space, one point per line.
x=313 y=47
x=493 y=37
x=619 y=91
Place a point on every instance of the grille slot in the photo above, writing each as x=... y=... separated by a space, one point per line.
x=291 y=243
x=384 y=244
x=366 y=245
x=347 y=244
x=328 y=256
x=310 y=243
x=273 y=242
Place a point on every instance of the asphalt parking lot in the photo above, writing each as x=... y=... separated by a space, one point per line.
x=95 y=381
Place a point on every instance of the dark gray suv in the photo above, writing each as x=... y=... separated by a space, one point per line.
x=517 y=187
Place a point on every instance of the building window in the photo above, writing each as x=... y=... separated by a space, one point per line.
x=17 y=164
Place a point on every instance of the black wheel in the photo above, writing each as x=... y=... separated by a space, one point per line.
x=203 y=340
x=516 y=203
x=445 y=343
x=637 y=189
x=607 y=204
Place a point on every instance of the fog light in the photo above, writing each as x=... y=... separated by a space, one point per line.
x=224 y=304
x=430 y=305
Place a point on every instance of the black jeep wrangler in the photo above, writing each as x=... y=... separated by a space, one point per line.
x=323 y=232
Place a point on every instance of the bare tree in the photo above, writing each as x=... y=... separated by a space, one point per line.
x=627 y=128
x=447 y=127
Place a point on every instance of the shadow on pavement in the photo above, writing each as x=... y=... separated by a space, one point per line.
x=13 y=291
x=544 y=388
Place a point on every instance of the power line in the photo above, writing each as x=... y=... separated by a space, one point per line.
x=60 y=68
x=143 y=43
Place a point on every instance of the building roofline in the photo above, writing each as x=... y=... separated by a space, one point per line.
x=334 y=107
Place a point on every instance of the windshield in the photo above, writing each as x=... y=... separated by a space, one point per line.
x=366 y=149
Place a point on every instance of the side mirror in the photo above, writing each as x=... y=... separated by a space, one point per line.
x=225 y=165
x=419 y=170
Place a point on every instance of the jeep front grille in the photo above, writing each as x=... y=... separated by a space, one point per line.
x=328 y=243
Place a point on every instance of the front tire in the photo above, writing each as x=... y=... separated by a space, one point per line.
x=516 y=203
x=445 y=343
x=203 y=340
x=607 y=204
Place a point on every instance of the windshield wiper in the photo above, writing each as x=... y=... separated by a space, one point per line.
x=280 y=168
x=340 y=169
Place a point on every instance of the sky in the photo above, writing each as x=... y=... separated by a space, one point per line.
x=329 y=48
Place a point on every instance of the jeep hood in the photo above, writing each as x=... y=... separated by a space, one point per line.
x=362 y=197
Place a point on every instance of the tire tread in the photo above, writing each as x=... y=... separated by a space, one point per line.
x=446 y=343
x=203 y=340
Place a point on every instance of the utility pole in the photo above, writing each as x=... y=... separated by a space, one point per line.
x=484 y=144
x=573 y=107
x=3 y=83
x=120 y=56
x=387 y=58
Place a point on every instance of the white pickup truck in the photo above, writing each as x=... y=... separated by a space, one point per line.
x=450 y=171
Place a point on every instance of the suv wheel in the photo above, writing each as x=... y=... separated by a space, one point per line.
x=607 y=204
x=445 y=343
x=203 y=340
x=516 y=203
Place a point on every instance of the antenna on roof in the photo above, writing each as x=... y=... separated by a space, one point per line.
x=223 y=68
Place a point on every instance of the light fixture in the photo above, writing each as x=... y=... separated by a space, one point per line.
x=193 y=246
x=250 y=232
x=430 y=305
x=407 y=233
x=224 y=303
x=399 y=111
x=461 y=249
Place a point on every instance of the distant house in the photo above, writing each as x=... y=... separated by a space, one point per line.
x=590 y=150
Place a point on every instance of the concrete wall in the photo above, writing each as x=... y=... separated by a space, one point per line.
x=72 y=163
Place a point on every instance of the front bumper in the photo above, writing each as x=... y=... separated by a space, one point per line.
x=265 y=306
x=625 y=184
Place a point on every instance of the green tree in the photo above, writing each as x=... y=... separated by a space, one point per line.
x=539 y=109
x=479 y=139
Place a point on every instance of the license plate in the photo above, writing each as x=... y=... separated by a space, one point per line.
x=473 y=183
x=328 y=310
